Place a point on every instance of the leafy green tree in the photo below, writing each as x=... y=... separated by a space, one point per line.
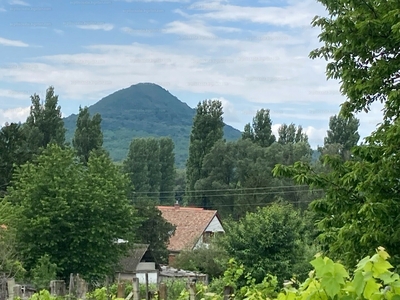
x=135 y=165
x=72 y=212
x=207 y=129
x=9 y=256
x=342 y=136
x=267 y=241
x=88 y=135
x=44 y=272
x=153 y=166
x=261 y=130
x=210 y=260
x=150 y=165
x=290 y=134
x=361 y=43
x=217 y=189
x=168 y=172
x=44 y=124
x=180 y=185
x=255 y=186
x=153 y=229
x=359 y=210
x=13 y=151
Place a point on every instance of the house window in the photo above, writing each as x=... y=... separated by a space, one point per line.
x=207 y=235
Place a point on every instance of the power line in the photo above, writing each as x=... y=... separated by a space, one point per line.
x=230 y=189
x=240 y=194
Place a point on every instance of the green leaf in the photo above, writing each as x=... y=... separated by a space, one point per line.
x=371 y=287
x=359 y=283
x=330 y=284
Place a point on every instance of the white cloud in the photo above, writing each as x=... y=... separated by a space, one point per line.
x=230 y=112
x=141 y=31
x=105 y=27
x=296 y=15
x=12 y=43
x=175 y=1
x=18 y=2
x=194 y=29
x=2 y=9
x=15 y=115
x=59 y=31
x=14 y=94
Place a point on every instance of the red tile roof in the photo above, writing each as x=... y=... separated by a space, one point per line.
x=190 y=224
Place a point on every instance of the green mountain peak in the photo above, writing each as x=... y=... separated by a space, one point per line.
x=144 y=110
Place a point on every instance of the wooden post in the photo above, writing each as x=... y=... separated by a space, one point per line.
x=228 y=292
x=10 y=288
x=192 y=291
x=147 y=286
x=162 y=291
x=57 y=288
x=3 y=288
x=17 y=290
x=81 y=287
x=135 y=288
x=71 y=285
x=108 y=288
x=121 y=290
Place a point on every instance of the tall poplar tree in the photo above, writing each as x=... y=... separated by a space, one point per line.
x=44 y=124
x=290 y=134
x=135 y=165
x=260 y=131
x=207 y=129
x=153 y=166
x=13 y=152
x=88 y=135
x=342 y=136
x=168 y=171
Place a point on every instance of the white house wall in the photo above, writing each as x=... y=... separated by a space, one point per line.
x=153 y=278
x=215 y=225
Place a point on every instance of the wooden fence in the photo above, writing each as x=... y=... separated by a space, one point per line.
x=162 y=292
x=78 y=289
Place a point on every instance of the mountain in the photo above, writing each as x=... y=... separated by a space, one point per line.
x=144 y=110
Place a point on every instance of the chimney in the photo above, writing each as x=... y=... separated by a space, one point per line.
x=176 y=204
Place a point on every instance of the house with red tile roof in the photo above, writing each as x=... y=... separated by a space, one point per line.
x=194 y=227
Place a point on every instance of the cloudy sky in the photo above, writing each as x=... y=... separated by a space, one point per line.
x=249 y=54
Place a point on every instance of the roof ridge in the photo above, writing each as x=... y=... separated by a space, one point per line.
x=186 y=208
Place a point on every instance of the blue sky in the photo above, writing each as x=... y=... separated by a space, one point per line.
x=249 y=54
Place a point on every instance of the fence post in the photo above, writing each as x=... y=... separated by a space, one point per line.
x=135 y=288
x=121 y=290
x=17 y=291
x=10 y=288
x=228 y=292
x=192 y=291
x=81 y=287
x=3 y=288
x=71 y=287
x=162 y=291
x=57 y=287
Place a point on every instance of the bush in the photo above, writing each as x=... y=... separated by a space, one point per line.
x=211 y=261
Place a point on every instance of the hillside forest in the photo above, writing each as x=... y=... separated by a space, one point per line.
x=63 y=206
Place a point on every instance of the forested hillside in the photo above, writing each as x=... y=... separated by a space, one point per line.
x=144 y=110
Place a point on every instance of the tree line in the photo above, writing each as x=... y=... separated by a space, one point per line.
x=62 y=195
